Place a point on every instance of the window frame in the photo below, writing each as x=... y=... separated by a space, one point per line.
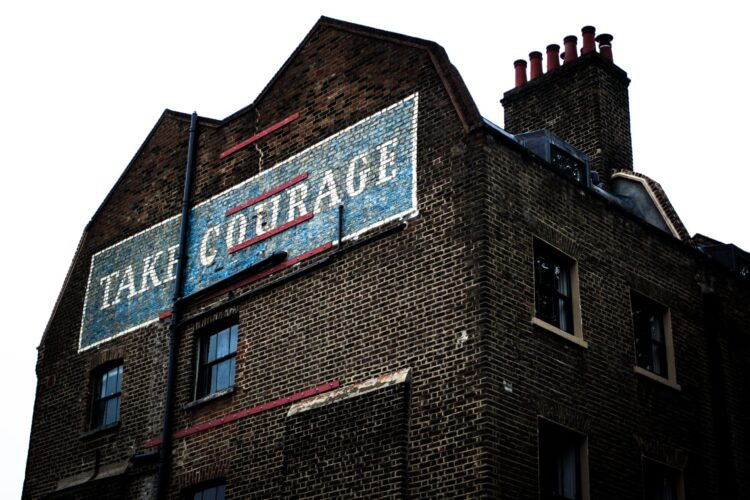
x=97 y=401
x=203 y=366
x=670 y=379
x=571 y=265
x=545 y=427
x=200 y=488
x=678 y=476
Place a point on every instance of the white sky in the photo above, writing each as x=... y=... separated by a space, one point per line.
x=82 y=84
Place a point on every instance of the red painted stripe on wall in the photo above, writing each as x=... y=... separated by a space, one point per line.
x=291 y=182
x=259 y=135
x=272 y=232
x=165 y=314
x=231 y=417
x=274 y=269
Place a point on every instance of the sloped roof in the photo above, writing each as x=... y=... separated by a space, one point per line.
x=451 y=79
x=661 y=200
x=166 y=115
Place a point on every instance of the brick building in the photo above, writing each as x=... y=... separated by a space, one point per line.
x=358 y=287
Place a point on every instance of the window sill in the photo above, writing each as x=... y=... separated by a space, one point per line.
x=658 y=378
x=208 y=399
x=105 y=429
x=560 y=333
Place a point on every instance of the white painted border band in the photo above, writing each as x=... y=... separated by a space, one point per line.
x=351 y=391
x=411 y=212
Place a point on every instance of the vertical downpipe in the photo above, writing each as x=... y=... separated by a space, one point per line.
x=165 y=453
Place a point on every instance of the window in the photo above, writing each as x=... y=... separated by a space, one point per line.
x=563 y=467
x=105 y=406
x=216 y=361
x=568 y=164
x=556 y=304
x=214 y=492
x=661 y=482
x=653 y=338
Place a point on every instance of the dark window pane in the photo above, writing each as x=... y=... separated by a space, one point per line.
x=650 y=340
x=111 y=411
x=101 y=388
x=657 y=330
x=222 y=344
x=204 y=384
x=217 y=361
x=105 y=407
x=211 y=348
x=660 y=481
x=111 y=383
x=658 y=357
x=212 y=493
x=97 y=417
x=568 y=165
x=559 y=460
x=233 y=339
x=222 y=376
x=553 y=289
x=214 y=372
x=565 y=321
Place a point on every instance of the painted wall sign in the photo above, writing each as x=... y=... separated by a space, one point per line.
x=369 y=168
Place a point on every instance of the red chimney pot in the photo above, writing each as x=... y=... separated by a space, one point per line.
x=536 y=64
x=571 y=52
x=588 y=33
x=553 y=54
x=605 y=45
x=520 y=66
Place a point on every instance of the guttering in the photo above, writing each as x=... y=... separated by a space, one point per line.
x=165 y=453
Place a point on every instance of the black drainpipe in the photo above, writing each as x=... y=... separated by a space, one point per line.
x=165 y=453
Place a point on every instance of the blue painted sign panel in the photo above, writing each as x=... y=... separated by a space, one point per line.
x=368 y=168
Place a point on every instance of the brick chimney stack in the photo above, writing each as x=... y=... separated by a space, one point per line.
x=583 y=101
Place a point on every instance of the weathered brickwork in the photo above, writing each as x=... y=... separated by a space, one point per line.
x=350 y=447
x=595 y=386
x=367 y=168
x=403 y=363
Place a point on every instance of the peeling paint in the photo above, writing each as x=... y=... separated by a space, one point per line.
x=368 y=168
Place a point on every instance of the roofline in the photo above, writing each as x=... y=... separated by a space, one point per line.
x=459 y=94
x=509 y=140
x=642 y=181
x=461 y=99
x=64 y=286
x=167 y=113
